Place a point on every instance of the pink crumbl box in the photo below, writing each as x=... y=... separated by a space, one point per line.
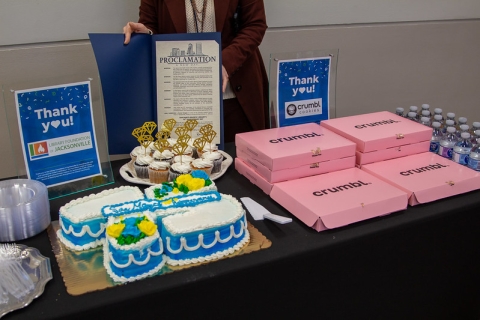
x=293 y=152
x=426 y=177
x=253 y=176
x=382 y=135
x=339 y=198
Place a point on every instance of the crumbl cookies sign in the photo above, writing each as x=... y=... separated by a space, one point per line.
x=58 y=133
x=303 y=91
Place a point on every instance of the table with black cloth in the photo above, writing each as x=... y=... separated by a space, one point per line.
x=420 y=263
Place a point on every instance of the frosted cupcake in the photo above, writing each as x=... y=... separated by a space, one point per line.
x=203 y=165
x=134 y=153
x=207 y=148
x=183 y=159
x=158 y=171
x=166 y=156
x=216 y=157
x=177 y=169
x=141 y=166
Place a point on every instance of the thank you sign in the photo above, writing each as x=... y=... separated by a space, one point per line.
x=303 y=91
x=58 y=133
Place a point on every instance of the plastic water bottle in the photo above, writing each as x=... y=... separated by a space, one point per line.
x=475 y=127
x=436 y=137
x=426 y=106
x=463 y=128
x=461 y=151
x=438 y=118
x=399 y=112
x=415 y=109
x=462 y=120
x=438 y=111
x=426 y=113
x=425 y=121
x=449 y=123
x=475 y=139
x=447 y=143
x=451 y=116
x=474 y=158
x=412 y=116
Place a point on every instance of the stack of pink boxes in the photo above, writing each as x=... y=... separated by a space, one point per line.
x=349 y=169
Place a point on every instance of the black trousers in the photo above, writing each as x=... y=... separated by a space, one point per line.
x=235 y=120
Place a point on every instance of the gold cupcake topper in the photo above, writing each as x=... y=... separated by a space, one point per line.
x=179 y=148
x=137 y=132
x=163 y=134
x=209 y=136
x=161 y=145
x=149 y=126
x=206 y=128
x=183 y=139
x=190 y=124
x=181 y=131
x=199 y=143
x=145 y=141
x=169 y=124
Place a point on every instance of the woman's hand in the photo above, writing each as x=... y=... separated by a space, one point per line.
x=133 y=27
x=224 y=79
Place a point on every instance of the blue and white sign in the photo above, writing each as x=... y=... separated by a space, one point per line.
x=303 y=91
x=58 y=133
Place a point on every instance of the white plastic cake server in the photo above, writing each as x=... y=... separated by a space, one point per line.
x=259 y=212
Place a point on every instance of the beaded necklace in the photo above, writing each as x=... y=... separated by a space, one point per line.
x=197 y=12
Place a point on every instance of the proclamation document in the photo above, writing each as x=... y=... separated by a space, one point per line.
x=188 y=83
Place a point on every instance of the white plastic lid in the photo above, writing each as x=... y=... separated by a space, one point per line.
x=425 y=113
x=414 y=108
x=462 y=120
x=450 y=122
x=400 y=110
x=425 y=106
x=477 y=132
x=438 y=110
x=464 y=127
x=436 y=124
x=465 y=135
x=476 y=124
x=451 y=115
x=451 y=129
x=412 y=114
x=438 y=117
x=425 y=119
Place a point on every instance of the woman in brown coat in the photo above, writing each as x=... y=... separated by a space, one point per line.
x=245 y=82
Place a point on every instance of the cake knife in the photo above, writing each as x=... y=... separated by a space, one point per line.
x=259 y=212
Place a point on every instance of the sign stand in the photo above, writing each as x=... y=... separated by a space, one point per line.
x=302 y=87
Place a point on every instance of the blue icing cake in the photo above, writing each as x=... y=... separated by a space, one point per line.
x=82 y=225
x=189 y=226
x=134 y=249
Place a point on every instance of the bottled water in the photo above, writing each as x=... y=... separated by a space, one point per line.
x=475 y=139
x=426 y=113
x=475 y=127
x=415 y=109
x=425 y=121
x=426 y=106
x=438 y=111
x=463 y=128
x=462 y=149
x=447 y=143
x=474 y=158
x=438 y=118
x=451 y=116
x=462 y=120
x=412 y=116
x=436 y=137
x=399 y=112
x=449 y=123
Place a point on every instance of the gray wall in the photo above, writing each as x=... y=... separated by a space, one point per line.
x=396 y=55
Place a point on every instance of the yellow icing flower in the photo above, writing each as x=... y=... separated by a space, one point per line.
x=167 y=202
x=115 y=230
x=147 y=227
x=175 y=190
x=183 y=179
x=195 y=184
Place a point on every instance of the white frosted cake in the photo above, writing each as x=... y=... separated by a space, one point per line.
x=82 y=225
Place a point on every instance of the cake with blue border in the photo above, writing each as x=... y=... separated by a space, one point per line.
x=82 y=225
x=133 y=248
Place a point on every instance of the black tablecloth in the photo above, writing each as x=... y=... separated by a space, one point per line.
x=421 y=263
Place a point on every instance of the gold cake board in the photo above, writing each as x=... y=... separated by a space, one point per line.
x=83 y=271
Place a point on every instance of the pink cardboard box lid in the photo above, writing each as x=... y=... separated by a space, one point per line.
x=426 y=177
x=391 y=153
x=379 y=130
x=293 y=146
x=336 y=199
x=251 y=175
x=300 y=171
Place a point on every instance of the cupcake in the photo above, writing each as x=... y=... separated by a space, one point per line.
x=203 y=165
x=134 y=153
x=177 y=169
x=141 y=166
x=216 y=157
x=158 y=171
x=182 y=159
x=166 y=156
x=208 y=148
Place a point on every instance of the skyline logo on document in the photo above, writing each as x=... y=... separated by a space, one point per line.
x=191 y=55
